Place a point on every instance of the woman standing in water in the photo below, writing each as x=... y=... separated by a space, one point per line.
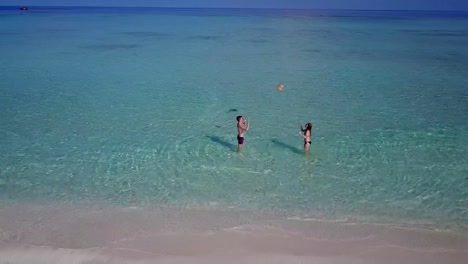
x=306 y=133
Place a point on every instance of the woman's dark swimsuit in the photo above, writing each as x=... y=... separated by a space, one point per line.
x=240 y=140
x=307 y=142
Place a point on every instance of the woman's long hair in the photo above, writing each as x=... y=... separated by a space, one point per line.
x=308 y=127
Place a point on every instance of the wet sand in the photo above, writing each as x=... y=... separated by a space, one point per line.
x=66 y=233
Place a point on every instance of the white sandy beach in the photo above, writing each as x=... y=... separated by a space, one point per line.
x=58 y=233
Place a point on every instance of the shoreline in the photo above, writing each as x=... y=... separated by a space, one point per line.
x=408 y=223
x=32 y=232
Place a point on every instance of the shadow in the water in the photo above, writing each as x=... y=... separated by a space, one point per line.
x=286 y=146
x=222 y=142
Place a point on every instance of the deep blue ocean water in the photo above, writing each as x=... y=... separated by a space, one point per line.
x=138 y=106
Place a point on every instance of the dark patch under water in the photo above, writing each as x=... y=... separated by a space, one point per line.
x=261 y=29
x=257 y=40
x=313 y=31
x=232 y=110
x=145 y=34
x=57 y=30
x=107 y=47
x=211 y=37
x=438 y=33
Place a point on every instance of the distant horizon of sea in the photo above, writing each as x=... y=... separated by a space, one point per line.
x=297 y=11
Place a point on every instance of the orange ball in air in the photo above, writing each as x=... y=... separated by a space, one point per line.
x=280 y=87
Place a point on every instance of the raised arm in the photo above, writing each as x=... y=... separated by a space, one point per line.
x=302 y=127
x=244 y=126
x=302 y=135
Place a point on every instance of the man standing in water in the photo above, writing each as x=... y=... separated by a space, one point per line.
x=242 y=126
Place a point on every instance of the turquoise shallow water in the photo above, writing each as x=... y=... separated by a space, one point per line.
x=133 y=106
